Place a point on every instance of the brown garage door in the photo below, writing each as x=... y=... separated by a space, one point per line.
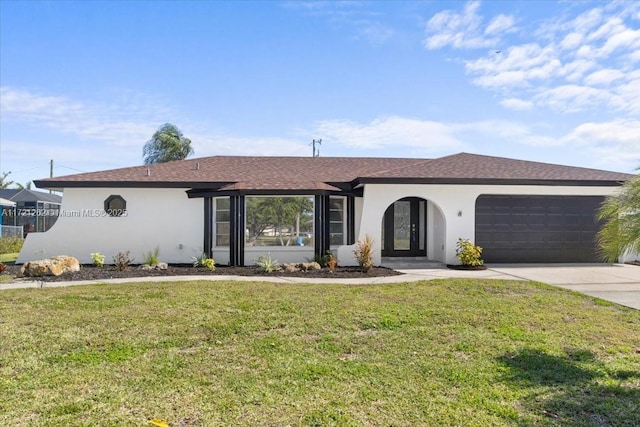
x=537 y=228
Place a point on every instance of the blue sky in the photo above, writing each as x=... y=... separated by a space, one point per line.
x=87 y=83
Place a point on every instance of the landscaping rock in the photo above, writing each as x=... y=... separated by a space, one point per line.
x=159 y=266
x=307 y=266
x=53 y=266
x=290 y=268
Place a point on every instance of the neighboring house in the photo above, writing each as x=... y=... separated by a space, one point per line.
x=297 y=208
x=35 y=211
x=9 y=210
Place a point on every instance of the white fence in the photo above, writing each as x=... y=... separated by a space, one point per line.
x=12 y=231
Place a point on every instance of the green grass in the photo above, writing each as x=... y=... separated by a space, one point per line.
x=450 y=352
x=9 y=258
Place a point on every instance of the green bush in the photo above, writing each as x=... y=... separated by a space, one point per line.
x=468 y=254
x=209 y=264
x=98 y=259
x=10 y=245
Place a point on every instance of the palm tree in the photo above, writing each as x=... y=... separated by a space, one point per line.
x=167 y=144
x=621 y=215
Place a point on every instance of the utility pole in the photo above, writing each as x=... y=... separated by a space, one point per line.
x=319 y=142
x=51 y=172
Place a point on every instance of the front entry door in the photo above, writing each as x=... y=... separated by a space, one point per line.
x=403 y=229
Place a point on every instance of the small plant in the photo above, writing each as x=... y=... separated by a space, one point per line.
x=267 y=264
x=98 y=259
x=2 y=268
x=363 y=252
x=332 y=261
x=151 y=258
x=198 y=261
x=209 y=264
x=469 y=254
x=122 y=260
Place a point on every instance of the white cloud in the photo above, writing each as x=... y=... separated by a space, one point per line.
x=574 y=98
x=603 y=77
x=126 y=124
x=518 y=66
x=222 y=144
x=571 y=63
x=386 y=132
x=614 y=143
x=463 y=30
x=571 y=41
x=516 y=104
x=500 y=24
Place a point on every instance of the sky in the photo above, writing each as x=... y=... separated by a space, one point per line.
x=87 y=83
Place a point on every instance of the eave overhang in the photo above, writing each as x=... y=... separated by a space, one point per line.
x=487 y=181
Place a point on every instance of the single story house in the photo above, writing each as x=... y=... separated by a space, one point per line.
x=238 y=208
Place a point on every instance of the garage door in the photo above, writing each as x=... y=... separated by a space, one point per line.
x=537 y=228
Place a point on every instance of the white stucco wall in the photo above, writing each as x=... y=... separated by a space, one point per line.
x=450 y=200
x=166 y=218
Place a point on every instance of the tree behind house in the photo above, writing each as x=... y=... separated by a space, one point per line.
x=165 y=145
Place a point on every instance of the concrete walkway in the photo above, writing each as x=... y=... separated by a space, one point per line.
x=618 y=283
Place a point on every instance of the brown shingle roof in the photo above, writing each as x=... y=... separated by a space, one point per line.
x=321 y=173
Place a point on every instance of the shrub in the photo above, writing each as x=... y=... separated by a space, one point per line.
x=151 y=258
x=98 y=259
x=209 y=264
x=122 y=260
x=267 y=264
x=363 y=252
x=10 y=245
x=2 y=267
x=198 y=261
x=203 y=260
x=468 y=254
x=332 y=261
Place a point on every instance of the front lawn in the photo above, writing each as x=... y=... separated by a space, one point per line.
x=448 y=352
x=9 y=258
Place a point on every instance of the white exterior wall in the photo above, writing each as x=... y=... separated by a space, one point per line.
x=449 y=200
x=282 y=254
x=166 y=218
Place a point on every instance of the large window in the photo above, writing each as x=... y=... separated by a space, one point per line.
x=223 y=217
x=336 y=220
x=279 y=221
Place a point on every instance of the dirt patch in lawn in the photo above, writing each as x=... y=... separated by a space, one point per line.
x=90 y=272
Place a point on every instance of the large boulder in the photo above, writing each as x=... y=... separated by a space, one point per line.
x=53 y=266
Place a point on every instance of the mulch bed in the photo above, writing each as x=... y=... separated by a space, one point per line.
x=466 y=267
x=90 y=272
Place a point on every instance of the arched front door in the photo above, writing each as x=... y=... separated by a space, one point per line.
x=404 y=232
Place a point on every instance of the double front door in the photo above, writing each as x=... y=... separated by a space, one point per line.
x=403 y=229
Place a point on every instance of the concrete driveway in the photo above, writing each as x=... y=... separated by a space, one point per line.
x=619 y=283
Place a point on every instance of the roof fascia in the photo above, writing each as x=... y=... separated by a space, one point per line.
x=127 y=184
x=197 y=193
x=492 y=181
